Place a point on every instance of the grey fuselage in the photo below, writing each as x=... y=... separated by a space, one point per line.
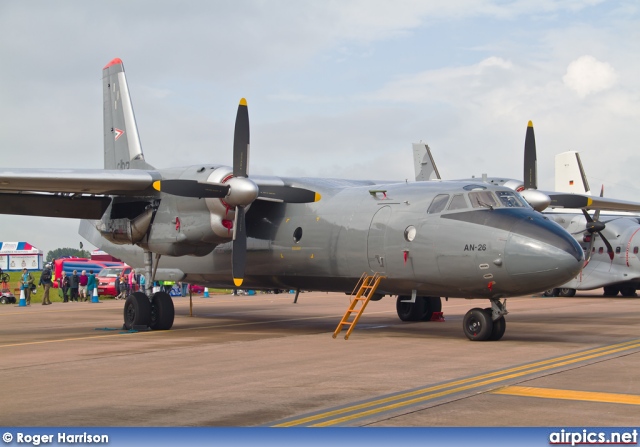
x=362 y=227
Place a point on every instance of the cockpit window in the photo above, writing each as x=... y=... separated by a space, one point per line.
x=483 y=199
x=458 y=203
x=509 y=199
x=438 y=203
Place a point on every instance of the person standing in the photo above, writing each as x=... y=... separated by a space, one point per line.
x=26 y=281
x=45 y=282
x=131 y=280
x=123 y=286
x=83 y=279
x=64 y=286
x=74 y=283
x=91 y=283
x=143 y=283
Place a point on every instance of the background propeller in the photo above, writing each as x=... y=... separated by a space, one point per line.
x=594 y=227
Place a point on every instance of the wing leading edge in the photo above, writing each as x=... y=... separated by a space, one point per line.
x=71 y=193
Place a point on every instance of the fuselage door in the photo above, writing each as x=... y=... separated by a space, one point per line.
x=376 y=239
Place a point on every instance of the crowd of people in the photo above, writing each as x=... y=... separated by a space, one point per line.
x=129 y=283
x=77 y=287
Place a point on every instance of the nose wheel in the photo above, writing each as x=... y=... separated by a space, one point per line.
x=485 y=324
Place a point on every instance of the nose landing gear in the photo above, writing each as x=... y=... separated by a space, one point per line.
x=486 y=324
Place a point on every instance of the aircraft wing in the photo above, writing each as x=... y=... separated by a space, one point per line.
x=80 y=181
x=575 y=201
x=69 y=192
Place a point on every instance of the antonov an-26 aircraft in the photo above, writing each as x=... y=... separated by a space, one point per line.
x=611 y=243
x=220 y=227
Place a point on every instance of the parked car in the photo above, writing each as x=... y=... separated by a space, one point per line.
x=106 y=279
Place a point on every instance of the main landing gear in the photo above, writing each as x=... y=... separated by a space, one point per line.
x=156 y=314
x=486 y=324
x=420 y=310
x=155 y=311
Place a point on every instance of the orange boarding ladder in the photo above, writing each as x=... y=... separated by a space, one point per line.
x=366 y=287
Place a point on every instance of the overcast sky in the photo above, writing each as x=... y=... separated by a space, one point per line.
x=335 y=88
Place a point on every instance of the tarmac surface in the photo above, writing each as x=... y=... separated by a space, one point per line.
x=263 y=361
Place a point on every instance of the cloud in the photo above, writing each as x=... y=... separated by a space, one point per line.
x=588 y=75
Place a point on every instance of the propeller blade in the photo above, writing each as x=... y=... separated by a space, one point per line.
x=239 y=247
x=191 y=188
x=288 y=194
x=588 y=255
x=530 y=159
x=587 y=216
x=241 y=141
x=609 y=247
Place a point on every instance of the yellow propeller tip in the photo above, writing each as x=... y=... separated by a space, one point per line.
x=237 y=281
x=530 y=124
x=156 y=185
x=317 y=197
x=243 y=102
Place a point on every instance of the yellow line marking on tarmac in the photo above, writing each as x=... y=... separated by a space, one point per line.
x=550 y=393
x=432 y=392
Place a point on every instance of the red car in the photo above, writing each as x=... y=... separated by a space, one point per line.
x=106 y=279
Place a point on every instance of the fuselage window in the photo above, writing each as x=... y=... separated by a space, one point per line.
x=635 y=250
x=509 y=199
x=458 y=203
x=438 y=204
x=617 y=249
x=600 y=250
x=483 y=199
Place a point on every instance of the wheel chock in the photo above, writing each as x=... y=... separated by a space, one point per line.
x=437 y=316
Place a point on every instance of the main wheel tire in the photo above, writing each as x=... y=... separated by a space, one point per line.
x=611 y=290
x=410 y=311
x=550 y=292
x=628 y=291
x=477 y=324
x=137 y=310
x=432 y=304
x=162 y=312
x=499 y=326
x=566 y=292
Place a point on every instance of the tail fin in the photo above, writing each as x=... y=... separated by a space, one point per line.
x=122 y=149
x=423 y=163
x=570 y=175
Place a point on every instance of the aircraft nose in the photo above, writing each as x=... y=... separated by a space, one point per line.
x=542 y=252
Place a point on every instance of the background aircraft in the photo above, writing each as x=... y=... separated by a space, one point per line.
x=218 y=226
x=611 y=243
